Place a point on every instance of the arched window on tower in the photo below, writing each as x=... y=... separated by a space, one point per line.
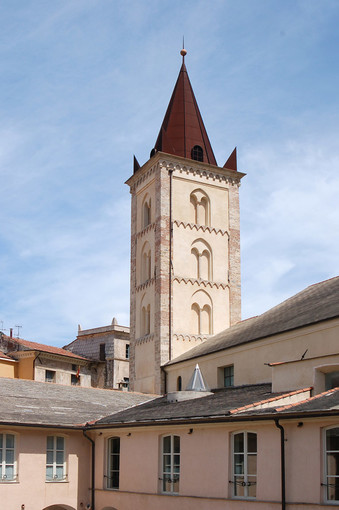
x=201 y=314
x=197 y=153
x=146 y=211
x=201 y=255
x=200 y=208
x=146 y=263
x=145 y=320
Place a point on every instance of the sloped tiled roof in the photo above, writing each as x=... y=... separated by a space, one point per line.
x=314 y=304
x=35 y=346
x=37 y=403
x=4 y=356
x=220 y=403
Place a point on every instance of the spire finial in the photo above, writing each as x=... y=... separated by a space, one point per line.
x=183 y=52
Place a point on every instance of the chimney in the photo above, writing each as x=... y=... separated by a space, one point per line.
x=10 y=332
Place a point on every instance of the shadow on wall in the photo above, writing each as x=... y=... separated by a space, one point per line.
x=59 y=507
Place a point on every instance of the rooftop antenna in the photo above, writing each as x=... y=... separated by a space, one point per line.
x=2 y=325
x=18 y=330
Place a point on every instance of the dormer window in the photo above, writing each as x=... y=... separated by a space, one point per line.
x=197 y=153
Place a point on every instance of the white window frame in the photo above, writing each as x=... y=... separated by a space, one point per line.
x=174 y=475
x=109 y=467
x=325 y=472
x=54 y=464
x=246 y=482
x=4 y=464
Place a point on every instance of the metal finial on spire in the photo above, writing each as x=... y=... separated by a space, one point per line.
x=183 y=52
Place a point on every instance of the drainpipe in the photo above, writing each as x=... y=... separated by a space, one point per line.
x=170 y=171
x=93 y=469
x=282 y=460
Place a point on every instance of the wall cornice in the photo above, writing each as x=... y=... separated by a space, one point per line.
x=204 y=228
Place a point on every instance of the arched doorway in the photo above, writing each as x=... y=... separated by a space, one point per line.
x=59 y=507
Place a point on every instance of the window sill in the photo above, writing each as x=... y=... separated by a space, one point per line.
x=56 y=481
x=8 y=481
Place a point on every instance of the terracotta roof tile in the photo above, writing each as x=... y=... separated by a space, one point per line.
x=35 y=346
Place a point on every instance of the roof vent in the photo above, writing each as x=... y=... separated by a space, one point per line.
x=196 y=388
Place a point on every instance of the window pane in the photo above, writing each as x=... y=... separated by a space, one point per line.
x=1 y=439
x=238 y=464
x=115 y=445
x=176 y=484
x=60 y=443
x=9 y=441
x=252 y=464
x=50 y=443
x=167 y=444
x=332 y=464
x=239 y=489
x=333 y=489
x=252 y=486
x=176 y=441
x=10 y=456
x=49 y=472
x=115 y=480
x=9 y=472
x=167 y=464
x=332 y=439
x=59 y=457
x=0 y=456
x=176 y=464
x=239 y=442
x=59 y=472
x=251 y=442
x=0 y=471
x=49 y=457
x=115 y=462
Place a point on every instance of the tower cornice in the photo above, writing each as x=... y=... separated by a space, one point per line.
x=184 y=165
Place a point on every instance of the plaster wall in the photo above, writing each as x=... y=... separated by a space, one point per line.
x=31 y=488
x=7 y=368
x=205 y=467
x=250 y=359
x=25 y=368
x=63 y=371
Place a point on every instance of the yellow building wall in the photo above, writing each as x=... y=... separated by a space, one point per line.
x=7 y=369
x=25 y=368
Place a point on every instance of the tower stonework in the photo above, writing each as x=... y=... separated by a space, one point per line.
x=185 y=243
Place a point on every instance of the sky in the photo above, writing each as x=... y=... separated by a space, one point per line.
x=85 y=85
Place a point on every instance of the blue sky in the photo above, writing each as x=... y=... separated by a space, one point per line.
x=85 y=85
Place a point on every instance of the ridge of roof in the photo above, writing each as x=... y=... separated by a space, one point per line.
x=183 y=126
x=315 y=303
x=51 y=349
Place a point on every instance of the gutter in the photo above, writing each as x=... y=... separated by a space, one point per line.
x=93 y=469
x=282 y=463
x=216 y=419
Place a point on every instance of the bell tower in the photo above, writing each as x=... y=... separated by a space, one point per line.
x=185 y=242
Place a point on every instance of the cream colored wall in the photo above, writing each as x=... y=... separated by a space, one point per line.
x=206 y=463
x=217 y=192
x=7 y=369
x=302 y=373
x=250 y=359
x=63 y=371
x=31 y=489
x=144 y=359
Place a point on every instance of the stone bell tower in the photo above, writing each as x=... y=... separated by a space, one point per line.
x=185 y=242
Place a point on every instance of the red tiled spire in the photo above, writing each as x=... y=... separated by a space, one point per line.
x=183 y=127
x=231 y=163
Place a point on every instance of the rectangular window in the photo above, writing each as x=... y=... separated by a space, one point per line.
x=332 y=464
x=113 y=463
x=55 y=459
x=127 y=351
x=7 y=458
x=102 y=354
x=228 y=376
x=170 y=464
x=50 y=376
x=75 y=379
x=244 y=465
